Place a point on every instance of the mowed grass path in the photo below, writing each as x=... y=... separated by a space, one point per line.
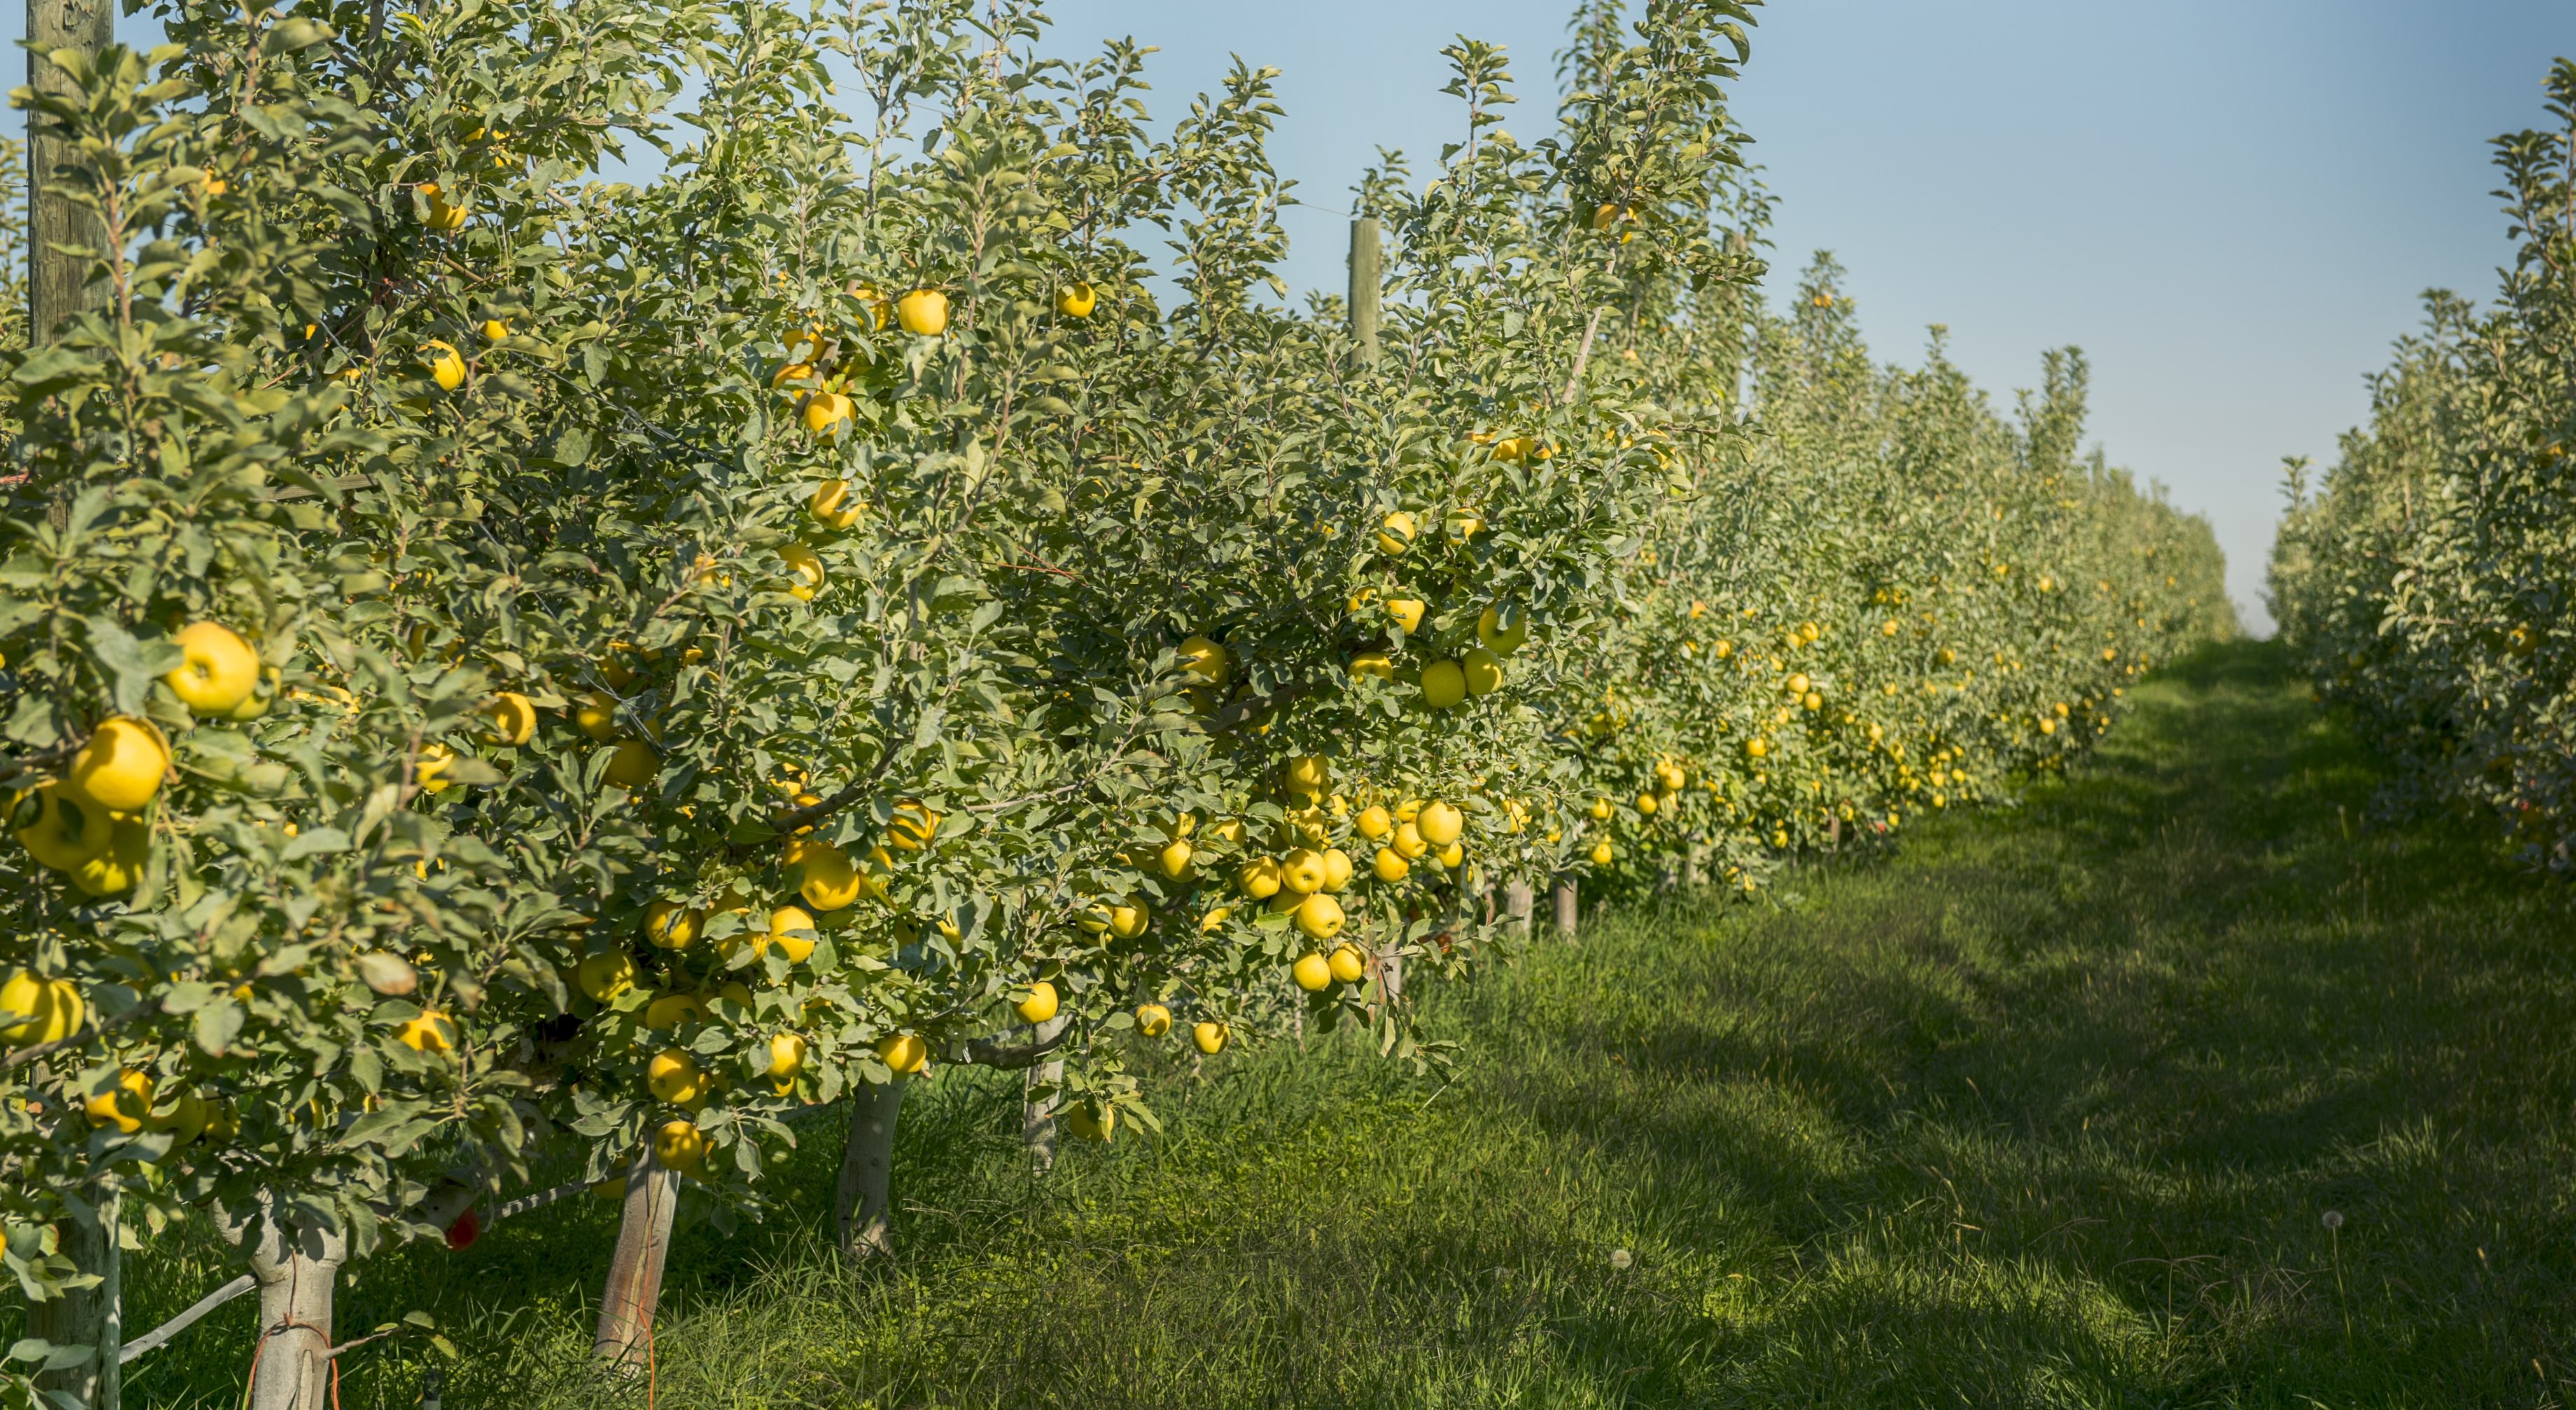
x=2048 y=1108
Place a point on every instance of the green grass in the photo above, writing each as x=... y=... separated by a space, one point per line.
x=2045 y=1109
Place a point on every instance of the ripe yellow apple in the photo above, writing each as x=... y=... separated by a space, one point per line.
x=904 y=1052
x=1312 y=973
x=1076 y=300
x=672 y=1010
x=1153 y=1020
x=806 y=570
x=513 y=717
x=1374 y=823
x=1443 y=684
x=217 y=669
x=1481 y=671
x=1646 y=803
x=1348 y=964
x=1130 y=920
x=1302 y=871
x=825 y=410
x=679 y=1145
x=835 y=504
x=1757 y=748
x=792 y=930
x=1214 y=919
x=830 y=880
x=1391 y=865
x=1408 y=841
x=447 y=365
x=1337 y=869
x=672 y=926
x=1464 y=523
x=68 y=829
x=115 y=870
x=1320 y=917
x=122 y=764
x=913 y=826
x=431 y=1032
x=1453 y=856
x=37 y=1010
x=595 y=714
x=494 y=330
x=1174 y=860
x=1396 y=534
x=124 y=1105
x=1407 y=612
x=1210 y=1037
x=1601 y=853
x=1373 y=663
x=674 y=1076
x=1080 y=1120
x=923 y=312
x=1497 y=638
x=1039 y=1006
x=1260 y=878
x=633 y=764
x=1309 y=774
x=1439 y=823
x=786 y=1059
x=1207 y=659
x=606 y=975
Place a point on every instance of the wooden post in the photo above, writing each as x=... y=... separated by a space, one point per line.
x=86 y=1316
x=1364 y=287
x=1565 y=906
x=1038 y=1121
x=57 y=284
x=867 y=1169
x=625 y=1333
x=297 y=1264
x=1518 y=901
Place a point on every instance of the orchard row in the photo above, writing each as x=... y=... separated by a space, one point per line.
x=2427 y=582
x=511 y=672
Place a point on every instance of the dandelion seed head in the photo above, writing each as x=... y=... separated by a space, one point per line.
x=1621 y=1258
x=2334 y=1220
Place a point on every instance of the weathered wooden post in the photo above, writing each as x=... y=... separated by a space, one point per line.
x=57 y=283
x=1364 y=287
x=635 y=1268
x=1565 y=906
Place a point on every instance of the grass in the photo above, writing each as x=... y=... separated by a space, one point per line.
x=2046 y=1109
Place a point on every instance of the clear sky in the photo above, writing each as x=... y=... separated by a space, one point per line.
x=2231 y=207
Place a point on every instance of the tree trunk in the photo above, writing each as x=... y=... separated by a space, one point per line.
x=296 y=1260
x=625 y=1332
x=867 y=1169
x=88 y=1316
x=1037 y=1118
x=1517 y=903
x=57 y=284
x=1565 y=906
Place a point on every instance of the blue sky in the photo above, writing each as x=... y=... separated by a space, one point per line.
x=2231 y=207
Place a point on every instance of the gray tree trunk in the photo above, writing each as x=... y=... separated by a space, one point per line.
x=1517 y=903
x=57 y=284
x=625 y=1333
x=1565 y=906
x=1038 y=1118
x=296 y=1260
x=867 y=1170
x=88 y=1316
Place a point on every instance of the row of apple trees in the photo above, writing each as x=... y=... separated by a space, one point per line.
x=2426 y=582
x=512 y=670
